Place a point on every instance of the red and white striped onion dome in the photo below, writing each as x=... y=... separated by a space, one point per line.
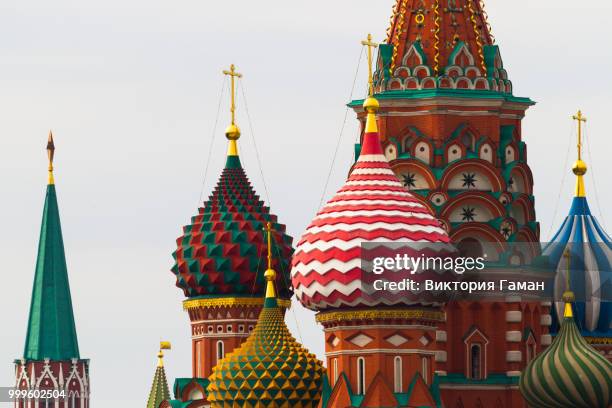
x=373 y=206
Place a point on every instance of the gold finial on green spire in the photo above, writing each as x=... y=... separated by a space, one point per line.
x=270 y=273
x=159 y=389
x=579 y=168
x=370 y=105
x=233 y=131
x=163 y=345
x=50 y=154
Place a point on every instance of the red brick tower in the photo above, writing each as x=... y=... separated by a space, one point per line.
x=380 y=346
x=452 y=132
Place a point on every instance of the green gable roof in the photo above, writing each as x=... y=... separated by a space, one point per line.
x=51 y=329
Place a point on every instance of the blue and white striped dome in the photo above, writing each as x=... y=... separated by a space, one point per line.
x=591 y=262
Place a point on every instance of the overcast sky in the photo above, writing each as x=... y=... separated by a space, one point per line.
x=131 y=89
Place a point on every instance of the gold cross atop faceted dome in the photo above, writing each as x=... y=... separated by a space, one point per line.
x=233 y=131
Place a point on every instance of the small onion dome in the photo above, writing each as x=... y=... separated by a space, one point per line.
x=570 y=373
x=219 y=253
x=372 y=206
x=270 y=369
x=591 y=246
x=585 y=237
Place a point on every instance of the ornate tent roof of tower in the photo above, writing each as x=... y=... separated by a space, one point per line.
x=51 y=328
x=569 y=373
x=591 y=246
x=159 y=389
x=440 y=44
x=372 y=206
x=271 y=369
x=218 y=254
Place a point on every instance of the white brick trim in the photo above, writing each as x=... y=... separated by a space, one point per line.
x=514 y=356
x=441 y=356
x=514 y=336
x=514 y=316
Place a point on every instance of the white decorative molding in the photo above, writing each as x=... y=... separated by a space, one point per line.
x=441 y=356
x=74 y=374
x=220 y=335
x=379 y=326
x=546 y=304
x=392 y=351
x=46 y=374
x=396 y=340
x=441 y=336
x=513 y=373
x=441 y=372
x=514 y=356
x=514 y=336
x=361 y=340
x=514 y=316
x=546 y=339
x=513 y=299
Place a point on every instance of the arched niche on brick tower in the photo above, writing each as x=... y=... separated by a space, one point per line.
x=520 y=179
x=422 y=149
x=476 y=350
x=521 y=210
x=414 y=174
x=472 y=206
x=491 y=241
x=486 y=151
x=467 y=136
x=471 y=174
x=526 y=247
x=407 y=139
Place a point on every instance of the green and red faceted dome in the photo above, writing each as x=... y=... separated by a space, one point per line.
x=220 y=251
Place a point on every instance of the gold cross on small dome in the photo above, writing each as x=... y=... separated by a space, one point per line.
x=370 y=44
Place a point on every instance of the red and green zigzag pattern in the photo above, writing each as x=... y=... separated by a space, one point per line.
x=223 y=251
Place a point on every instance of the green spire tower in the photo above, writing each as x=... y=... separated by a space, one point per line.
x=51 y=346
x=159 y=389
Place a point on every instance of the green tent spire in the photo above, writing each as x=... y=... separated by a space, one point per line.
x=159 y=389
x=51 y=329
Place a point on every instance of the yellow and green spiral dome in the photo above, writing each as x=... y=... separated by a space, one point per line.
x=570 y=373
x=271 y=369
